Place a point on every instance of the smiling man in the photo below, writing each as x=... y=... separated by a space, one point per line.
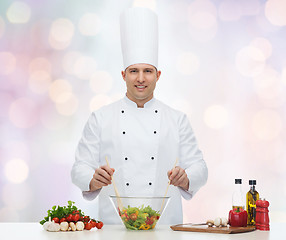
x=139 y=135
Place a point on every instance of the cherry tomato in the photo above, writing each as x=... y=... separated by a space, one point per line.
x=133 y=217
x=63 y=220
x=88 y=226
x=99 y=225
x=75 y=212
x=69 y=218
x=56 y=220
x=86 y=219
x=93 y=223
x=76 y=217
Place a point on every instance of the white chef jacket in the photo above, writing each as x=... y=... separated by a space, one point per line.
x=142 y=145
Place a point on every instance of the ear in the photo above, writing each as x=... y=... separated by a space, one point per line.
x=158 y=74
x=123 y=75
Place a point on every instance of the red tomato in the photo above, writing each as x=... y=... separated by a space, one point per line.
x=69 y=218
x=75 y=211
x=88 y=226
x=93 y=223
x=76 y=217
x=63 y=220
x=56 y=220
x=86 y=219
x=99 y=225
x=133 y=217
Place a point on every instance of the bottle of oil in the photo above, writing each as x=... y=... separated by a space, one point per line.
x=237 y=197
x=251 y=197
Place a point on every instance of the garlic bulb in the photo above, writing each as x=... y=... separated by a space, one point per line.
x=51 y=226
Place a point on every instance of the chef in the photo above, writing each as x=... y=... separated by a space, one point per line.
x=140 y=136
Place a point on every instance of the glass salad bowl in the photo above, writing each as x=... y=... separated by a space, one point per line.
x=139 y=213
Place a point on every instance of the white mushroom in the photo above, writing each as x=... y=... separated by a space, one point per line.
x=64 y=226
x=224 y=222
x=210 y=223
x=79 y=226
x=72 y=226
x=217 y=222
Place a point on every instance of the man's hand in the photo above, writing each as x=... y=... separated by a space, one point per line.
x=101 y=178
x=178 y=177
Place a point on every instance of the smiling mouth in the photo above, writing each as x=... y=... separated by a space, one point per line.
x=140 y=86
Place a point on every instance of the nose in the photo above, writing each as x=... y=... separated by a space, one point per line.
x=140 y=78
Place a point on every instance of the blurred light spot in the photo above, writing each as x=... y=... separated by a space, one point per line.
x=267 y=84
x=216 y=116
x=101 y=82
x=250 y=8
x=275 y=12
x=7 y=63
x=70 y=60
x=98 y=101
x=16 y=170
x=61 y=33
x=250 y=61
x=23 y=113
x=51 y=119
x=89 y=24
x=263 y=45
x=266 y=125
x=18 y=12
x=188 y=63
x=229 y=10
x=17 y=196
x=202 y=20
x=60 y=91
x=145 y=3
x=40 y=64
x=39 y=81
x=2 y=27
x=69 y=106
x=85 y=67
x=9 y=214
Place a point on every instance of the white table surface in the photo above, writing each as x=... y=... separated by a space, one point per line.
x=23 y=231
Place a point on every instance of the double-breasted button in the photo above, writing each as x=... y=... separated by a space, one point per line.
x=156 y=111
x=122 y=111
x=126 y=158
x=150 y=183
x=123 y=132
x=127 y=184
x=152 y=158
x=155 y=132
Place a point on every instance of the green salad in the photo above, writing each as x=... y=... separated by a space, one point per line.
x=142 y=218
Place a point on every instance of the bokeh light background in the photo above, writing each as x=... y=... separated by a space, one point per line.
x=223 y=63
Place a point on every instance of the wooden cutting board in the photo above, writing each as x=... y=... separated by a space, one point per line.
x=204 y=228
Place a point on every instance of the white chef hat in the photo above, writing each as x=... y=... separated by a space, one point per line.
x=139 y=36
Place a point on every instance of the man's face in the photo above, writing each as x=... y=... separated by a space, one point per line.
x=141 y=81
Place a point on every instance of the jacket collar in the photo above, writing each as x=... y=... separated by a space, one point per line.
x=130 y=103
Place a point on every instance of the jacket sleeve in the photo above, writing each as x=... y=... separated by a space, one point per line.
x=191 y=159
x=87 y=157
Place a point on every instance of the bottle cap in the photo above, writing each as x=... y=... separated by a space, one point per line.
x=238 y=181
x=252 y=182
